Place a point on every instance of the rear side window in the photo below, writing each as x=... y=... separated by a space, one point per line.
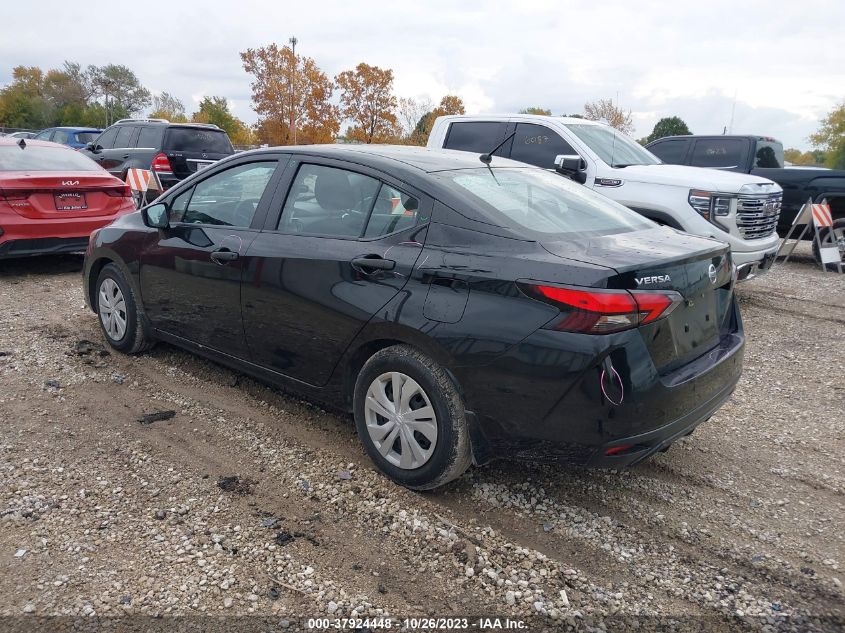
x=538 y=145
x=150 y=137
x=124 y=136
x=39 y=158
x=672 y=152
x=768 y=154
x=60 y=136
x=328 y=201
x=44 y=135
x=476 y=136
x=106 y=139
x=393 y=211
x=85 y=137
x=184 y=139
x=724 y=153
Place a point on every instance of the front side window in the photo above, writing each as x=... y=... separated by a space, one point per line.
x=60 y=136
x=124 y=136
x=769 y=154
x=44 y=135
x=328 y=201
x=228 y=198
x=393 y=211
x=720 y=153
x=85 y=137
x=613 y=147
x=538 y=145
x=538 y=203
x=106 y=139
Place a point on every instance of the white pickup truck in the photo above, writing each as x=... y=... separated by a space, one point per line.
x=739 y=209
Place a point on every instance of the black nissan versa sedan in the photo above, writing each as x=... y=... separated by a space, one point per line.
x=461 y=310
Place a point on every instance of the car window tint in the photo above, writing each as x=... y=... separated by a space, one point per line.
x=124 y=136
x=672 y=152
x=230 y=197
x=179 y=205
x=187 y=139
x=477 y=136
x=538 y=145
x=44 y=135
x=724 y=153
x=150 y=137
x=85 y=137
x=393 y=211
x=106 y=139
x=60 y=136
x=328 y=201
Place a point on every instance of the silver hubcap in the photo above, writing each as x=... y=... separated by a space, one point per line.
x=112 y=309
x=400 y=420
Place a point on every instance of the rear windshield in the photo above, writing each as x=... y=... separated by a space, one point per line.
x=542 y=202
x=769 y=153
x=86 y=137
x=184 y=139
x=41 y=158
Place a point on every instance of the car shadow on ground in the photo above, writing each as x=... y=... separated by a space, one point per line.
x=41 y=265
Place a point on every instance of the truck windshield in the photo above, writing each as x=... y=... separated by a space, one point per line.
x=613 y=147
x=769 y=153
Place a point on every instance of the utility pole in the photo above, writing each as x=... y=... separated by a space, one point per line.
x=293 y=42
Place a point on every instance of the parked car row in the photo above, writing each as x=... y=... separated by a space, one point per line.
x=463 y=301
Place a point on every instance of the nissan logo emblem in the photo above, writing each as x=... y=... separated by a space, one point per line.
x=712 y=273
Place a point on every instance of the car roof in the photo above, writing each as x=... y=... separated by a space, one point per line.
x=538 y=118
x=7 y=140
x=391 y=157
x=74 y=129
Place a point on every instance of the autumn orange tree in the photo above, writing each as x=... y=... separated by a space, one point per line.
x=290 y=88
x=604 y=109
x=366 y=98
x=450 y=104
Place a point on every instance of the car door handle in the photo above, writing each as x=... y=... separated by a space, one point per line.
x=223 y=256
x=367 y=264
x=126 y=156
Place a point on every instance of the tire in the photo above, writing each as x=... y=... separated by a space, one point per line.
x=112 y=288
x=838 y=229
x=425 y=464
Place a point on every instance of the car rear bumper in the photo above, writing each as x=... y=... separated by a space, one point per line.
x=42 y=246
x=543 y=401
x=22 y=237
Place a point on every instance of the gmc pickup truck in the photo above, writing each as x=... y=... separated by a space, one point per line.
x=759 y=156
x=739 y=209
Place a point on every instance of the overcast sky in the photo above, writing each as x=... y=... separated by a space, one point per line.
x=783 y=61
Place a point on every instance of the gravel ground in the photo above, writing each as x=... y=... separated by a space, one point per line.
x=248 y=502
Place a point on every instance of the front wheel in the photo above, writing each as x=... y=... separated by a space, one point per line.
x=410 y=419
x=838 y=238
x=118 y=312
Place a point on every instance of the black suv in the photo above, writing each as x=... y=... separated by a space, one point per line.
x=173 y=151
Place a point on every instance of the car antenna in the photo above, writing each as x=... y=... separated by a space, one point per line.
x=488 y=158
x=22 y=144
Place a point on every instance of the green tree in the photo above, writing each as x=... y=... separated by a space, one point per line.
x=797 y=157
x=166 y=106
x=536 y=110
x=830 y=137
x=215 y=110
x=23 y=102
x=121 y=91
x=668 y=126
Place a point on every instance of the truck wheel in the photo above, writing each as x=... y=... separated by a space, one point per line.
x=838 y=229
x=410 y=419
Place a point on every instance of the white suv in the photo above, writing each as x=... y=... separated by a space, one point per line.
x=739 y=209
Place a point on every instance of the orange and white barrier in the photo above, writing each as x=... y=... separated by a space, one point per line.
x=139 y=179
x=821 y=215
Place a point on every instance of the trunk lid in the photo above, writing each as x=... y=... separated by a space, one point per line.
x=50 y=195
x=699 y=269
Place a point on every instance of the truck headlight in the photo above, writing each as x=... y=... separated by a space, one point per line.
x=710 y=205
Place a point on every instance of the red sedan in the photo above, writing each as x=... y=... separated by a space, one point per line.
x=52 y=198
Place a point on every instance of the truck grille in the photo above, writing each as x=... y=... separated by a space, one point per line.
x=757 y=216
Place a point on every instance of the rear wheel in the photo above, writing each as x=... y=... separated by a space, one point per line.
x=838 y=230
x=410 y=419
x=118 y=312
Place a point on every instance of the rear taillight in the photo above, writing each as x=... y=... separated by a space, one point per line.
x=120 y=191
x=161 y=162
x=599 y=311
x=14 y=194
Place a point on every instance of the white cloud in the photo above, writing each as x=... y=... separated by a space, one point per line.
x=684 y=59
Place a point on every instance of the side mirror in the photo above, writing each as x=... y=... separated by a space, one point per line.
x=156 y=216
x=572 y=166
x=92 y=147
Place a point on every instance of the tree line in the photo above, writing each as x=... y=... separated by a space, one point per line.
x=297 y=102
